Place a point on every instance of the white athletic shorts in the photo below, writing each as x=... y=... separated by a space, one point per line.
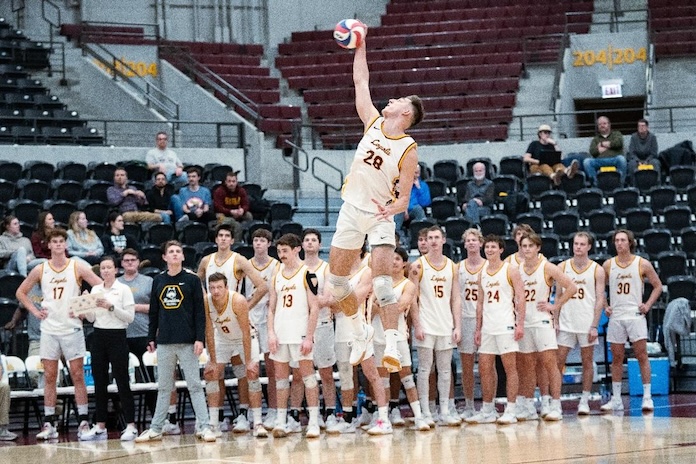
x=290 y=353
x=227 y=349
x=353 y=224
x=262 y=332
x=403 y=349
x=467 y=345
x=572 y=339
x=625 y=330
x=498 y=344
x=435 y=342
x=538 y=339
x=70 y=346
x=324 y=351
x=343 y=352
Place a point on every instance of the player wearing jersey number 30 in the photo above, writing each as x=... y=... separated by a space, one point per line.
x=378 y=186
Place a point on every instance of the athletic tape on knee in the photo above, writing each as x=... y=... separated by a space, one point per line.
x=239 y=371
x=345 y=375
x=339 y=286
x=212 y=387
x=310 y=381
x=254 y=386
x=282 y=384
x=383 y=287
x=408 y=382
x=385 y=382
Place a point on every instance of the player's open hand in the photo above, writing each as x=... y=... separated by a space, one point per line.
x=383 y=212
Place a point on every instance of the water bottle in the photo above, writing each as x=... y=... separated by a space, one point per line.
x=89 y=379
x=131 y=373
x=361 y=401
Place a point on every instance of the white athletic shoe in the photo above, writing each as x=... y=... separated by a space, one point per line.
x=483 y=418
x=225 y=425
x=170 y=429
x=583 y=408
x=381 y=428
x=313 y=431
x=148 y=435
x=421 y=425
x=508 y=417
x=467 y=413
x=260 y=431
x=647 y=405
x=545 y=406
x=292 y=425
x=365 y=417
x=320 y=421
x=270 y=419
x=48 y=432
x=372 y=423
x=428 y=418
x=614 y=404
x=241 y=424
x=395 y=418
x=555 y=414
x=343 y=427
x=208 y=435
x=280 y=431
x=93 y=434
x=82 y=429
x=129 y=434
x=391 y=360
x=526 y=410
x=359 y=344
x=331 y=421
x=451 y=420
x=6 y=435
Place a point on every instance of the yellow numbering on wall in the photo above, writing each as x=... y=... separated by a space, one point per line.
x=130 y=68
x=609 y=57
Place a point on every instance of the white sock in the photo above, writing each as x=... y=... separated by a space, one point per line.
x=383 y=412
x=282 y=417
x=82 y=409
x=416 y=408
x=511 y=407
x=357 y=324
x=487 y=408
x=257 y=415
x=647 y=390
x=313 y=414
x=49 y=410
x=585 y=396
x=616 y=389
x=213 y=413
x=468 y=403
x=172 y=409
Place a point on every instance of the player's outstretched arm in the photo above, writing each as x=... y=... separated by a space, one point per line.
x=361 y=79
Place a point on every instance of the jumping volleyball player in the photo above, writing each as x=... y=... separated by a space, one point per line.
x=378 y=186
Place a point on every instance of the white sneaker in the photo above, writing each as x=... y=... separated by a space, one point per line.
x=395 y=418
x=583 y=408
x=359 y=344
x=428 y=419
x=170 y=429
x=555 y=414
x=342 y=427
x=82 y=429
x=545 y=406
x=270 y=419
x=614 y=404
x=48 y=432
x=451 y=420
x=483 y=418
x=526 y=411
x=467 y=413
x=208 y=435
x=381 y=428
x=6 y=435
x=129 y=434
x=331 y=421
x=93 y=434
x=225 y=425
x=280 y=431
x=647 y=405
x=292 y=425
x=372 y=423
x=313 y=431
x=320 y=421
x=508 y=417
x=365 y=417
x=148 y=435
x=240 y=424
x=421 y=425
x=391 y=360
x=260 y=431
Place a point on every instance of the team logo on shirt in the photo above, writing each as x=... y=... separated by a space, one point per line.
x=171 y=297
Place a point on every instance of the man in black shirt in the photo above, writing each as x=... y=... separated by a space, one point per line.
x=159 y=197
x=177 y=331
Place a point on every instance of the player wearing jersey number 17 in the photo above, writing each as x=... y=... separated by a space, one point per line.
x=377 y=187
x=627 y=314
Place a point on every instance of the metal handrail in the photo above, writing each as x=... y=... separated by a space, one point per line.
x=296 y=167
x=316 y=160
x=153 y=95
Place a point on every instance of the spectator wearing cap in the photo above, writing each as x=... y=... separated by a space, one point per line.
x=543 y=156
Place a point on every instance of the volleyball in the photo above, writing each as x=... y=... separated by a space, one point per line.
x=349 y=33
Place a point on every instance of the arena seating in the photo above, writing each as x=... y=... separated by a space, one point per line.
x=673 y=27
x=464 y=58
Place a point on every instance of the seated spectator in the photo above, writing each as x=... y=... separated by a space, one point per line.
x=15 y=248
x=129 y=200
x=606 y=149
x=83 y=242
x=115 y=240
x=159 y=198
x=5 y=434
x=39 y=244
x=642 y=149
x=231 y=204
x=195 y=201
x=419 y=199
x=165 y=160
x=479 y=196
x=543 y=156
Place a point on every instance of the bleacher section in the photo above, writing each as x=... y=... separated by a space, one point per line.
x=464 y=58
x=673 y=27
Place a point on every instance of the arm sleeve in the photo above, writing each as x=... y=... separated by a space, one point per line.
x=632 y=152
x=219 y=201
x=593 y=147
x=36 y=246
x=424 y=198
x=126 y=311
x=107 y=245
x=207 y=197
x=652 y=147
x=616 y=140
x=489 y=195
x=114 y=196
x=243 y=199
x=73 y=248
